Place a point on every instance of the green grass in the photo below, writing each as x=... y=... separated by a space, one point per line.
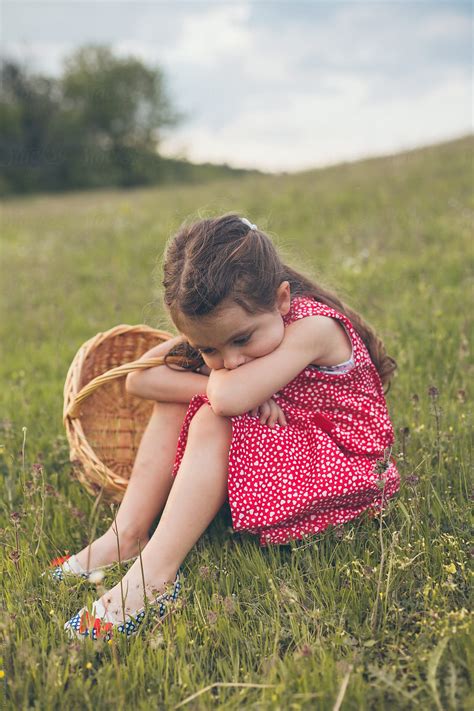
x=376 y=614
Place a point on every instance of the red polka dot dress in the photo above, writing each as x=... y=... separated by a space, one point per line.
x=292 y=481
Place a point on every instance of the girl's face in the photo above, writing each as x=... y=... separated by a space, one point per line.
x=230 y=337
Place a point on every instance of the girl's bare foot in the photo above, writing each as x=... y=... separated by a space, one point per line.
x=104 y=551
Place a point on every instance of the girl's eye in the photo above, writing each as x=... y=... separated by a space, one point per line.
x=239 y=341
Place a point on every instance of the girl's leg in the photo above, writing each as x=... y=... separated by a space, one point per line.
x=147 y=491
x=199 y=491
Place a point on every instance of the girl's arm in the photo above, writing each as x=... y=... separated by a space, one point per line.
x=234 y=392
x=163 y=383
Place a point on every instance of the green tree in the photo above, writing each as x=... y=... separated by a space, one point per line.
x=98 y=124
x=29 y=109
x=122 y=102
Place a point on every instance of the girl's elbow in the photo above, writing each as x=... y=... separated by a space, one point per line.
x=217 y=405
x=222 y=403
x=224 y=409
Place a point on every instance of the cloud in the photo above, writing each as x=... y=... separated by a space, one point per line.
x=280 y=85
x=316 y=130
x=203 y=39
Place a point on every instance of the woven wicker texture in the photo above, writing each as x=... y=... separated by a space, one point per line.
x=104 y=423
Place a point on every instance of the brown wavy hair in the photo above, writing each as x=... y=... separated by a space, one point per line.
x=210 y=260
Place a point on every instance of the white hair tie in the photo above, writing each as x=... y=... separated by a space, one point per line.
x=249 y=224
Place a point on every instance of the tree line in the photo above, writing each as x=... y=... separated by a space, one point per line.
x=98 y=124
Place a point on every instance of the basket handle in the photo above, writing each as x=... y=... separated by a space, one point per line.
x=119 y=372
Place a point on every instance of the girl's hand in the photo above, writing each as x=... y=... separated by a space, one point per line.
x=270 y=413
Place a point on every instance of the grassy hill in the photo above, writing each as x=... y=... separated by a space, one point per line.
x=393 y=236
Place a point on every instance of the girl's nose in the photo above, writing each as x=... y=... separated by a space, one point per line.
x=233 y=362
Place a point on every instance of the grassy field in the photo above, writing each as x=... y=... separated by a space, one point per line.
x=371 y=616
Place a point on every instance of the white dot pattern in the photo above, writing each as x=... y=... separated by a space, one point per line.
x=319 y=470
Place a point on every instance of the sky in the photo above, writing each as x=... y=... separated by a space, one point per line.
x=277 y=85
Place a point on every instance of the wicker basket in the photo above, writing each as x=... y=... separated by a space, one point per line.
x=104 y=423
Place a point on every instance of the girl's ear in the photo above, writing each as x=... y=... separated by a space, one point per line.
x=283 y=298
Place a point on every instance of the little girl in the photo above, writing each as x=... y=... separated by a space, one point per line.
x=281 y=413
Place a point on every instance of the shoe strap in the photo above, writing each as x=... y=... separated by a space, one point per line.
x=98 y=610
x=72 y=565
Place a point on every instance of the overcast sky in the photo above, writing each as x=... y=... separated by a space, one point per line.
x=278 y=85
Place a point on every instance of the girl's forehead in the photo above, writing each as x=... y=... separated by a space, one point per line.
x=220 y=326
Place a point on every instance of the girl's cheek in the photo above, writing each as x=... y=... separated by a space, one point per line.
x=264 y=349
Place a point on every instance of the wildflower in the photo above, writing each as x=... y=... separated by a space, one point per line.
x=461 y=395
x=229 y=604
x=77 y=513
x=37 y=469
x=433 y=392
x=288 y=594
x=15 y=517
x=304 y=651
x=212 y=617
x=204 y=571
x=96 y=576
x=2 y=673
x=50 y=490
x=89 y=665
x=381 y=465
x=412 y=480
x=451 y=568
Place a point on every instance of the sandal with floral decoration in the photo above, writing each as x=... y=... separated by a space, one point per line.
x=69 y=566
x=98 y=626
